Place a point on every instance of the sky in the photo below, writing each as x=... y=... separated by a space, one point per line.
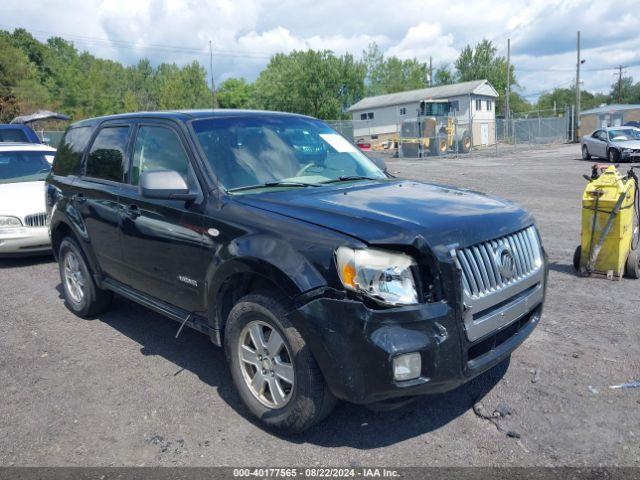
x=244 y=33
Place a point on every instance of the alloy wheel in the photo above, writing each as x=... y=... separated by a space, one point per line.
x=73 y=277
x=266 y=364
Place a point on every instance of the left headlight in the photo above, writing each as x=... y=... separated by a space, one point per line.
x=382 y=275
x=10 y=222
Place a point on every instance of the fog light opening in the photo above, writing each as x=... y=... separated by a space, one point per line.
x=407 y=366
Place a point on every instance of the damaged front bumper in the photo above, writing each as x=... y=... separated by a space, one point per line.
x=355 y=345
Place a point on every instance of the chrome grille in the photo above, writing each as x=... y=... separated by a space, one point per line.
x=479 y=266
x=36 y=220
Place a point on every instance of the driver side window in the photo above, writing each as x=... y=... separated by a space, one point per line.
x=159 y=148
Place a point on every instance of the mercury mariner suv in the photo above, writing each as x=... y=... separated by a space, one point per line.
x=322 y=276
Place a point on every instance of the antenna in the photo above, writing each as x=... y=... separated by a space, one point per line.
x=214 y=100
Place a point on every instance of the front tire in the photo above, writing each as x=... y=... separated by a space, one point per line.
x=82 y=295
x=613 y=155
x=577 y=257
x=585 y=153
x=272 y=367
x=440 y=146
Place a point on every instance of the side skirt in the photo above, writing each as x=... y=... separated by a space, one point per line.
x=171 y=311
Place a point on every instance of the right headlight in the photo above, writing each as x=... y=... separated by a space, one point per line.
x=382 y=275
x=8 y=222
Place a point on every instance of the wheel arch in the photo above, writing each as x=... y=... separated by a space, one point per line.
x=239 y=277
x=61 y=228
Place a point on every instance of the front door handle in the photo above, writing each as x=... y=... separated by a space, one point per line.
x=132 y=211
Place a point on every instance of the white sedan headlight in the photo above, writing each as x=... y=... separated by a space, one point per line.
x=7 y=222
x=379 y=274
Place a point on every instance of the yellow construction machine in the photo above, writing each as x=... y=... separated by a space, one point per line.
x=435 y=131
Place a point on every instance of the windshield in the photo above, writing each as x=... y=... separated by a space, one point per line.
x=23 y=167
x=624 y=134
x=263 y=151
x=435 y=109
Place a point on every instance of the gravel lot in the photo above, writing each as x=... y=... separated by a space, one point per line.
x=120 y=390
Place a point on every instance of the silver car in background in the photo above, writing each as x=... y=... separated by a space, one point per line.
x=615 y=144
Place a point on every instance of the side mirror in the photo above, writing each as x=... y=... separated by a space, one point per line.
x=380 y=163
x=164 y=185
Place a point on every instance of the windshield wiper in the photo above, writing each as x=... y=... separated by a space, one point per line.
x=347 y=178
x=273 y=184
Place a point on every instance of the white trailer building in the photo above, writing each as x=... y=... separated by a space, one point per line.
x=379 y=118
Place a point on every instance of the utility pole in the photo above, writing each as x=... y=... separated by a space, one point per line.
x=507 y=113
x=620 y=82
x=214 y=100
x=577 y=112
x=430 y=71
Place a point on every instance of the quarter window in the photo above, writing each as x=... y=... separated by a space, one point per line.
x=159 y=148
x=106 y=158
x=70 y=150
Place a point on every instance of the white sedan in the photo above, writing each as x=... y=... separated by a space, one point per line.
x=23 y=218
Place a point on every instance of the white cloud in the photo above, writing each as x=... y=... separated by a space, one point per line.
x=542 y=31
x=424 y=40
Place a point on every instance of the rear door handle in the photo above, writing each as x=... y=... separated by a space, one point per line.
x=79 y=198
x=132 y=211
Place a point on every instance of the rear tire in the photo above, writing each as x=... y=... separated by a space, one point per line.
x=464 y=146
x=585 y=153
x=82 y=295
x=632 y=267
x=307 y=398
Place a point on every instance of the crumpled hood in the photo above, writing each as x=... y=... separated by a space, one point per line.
x=22 y=198
x=399 y=213
x=632 y=144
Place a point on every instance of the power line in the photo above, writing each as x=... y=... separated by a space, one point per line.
x=123 y=44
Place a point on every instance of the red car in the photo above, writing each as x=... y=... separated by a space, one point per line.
x=362 y=145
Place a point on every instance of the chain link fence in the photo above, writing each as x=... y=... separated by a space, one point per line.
x=420 y=137
x=534 y=131
x=50 y=137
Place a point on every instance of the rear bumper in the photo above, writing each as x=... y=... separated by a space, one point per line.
x=25 y=241
x=355 y=346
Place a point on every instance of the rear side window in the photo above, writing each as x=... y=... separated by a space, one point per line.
x=70 y=150
x=106 y=157
x=13 y=135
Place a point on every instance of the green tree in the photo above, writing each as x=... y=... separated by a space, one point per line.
x=562 y=98
x=236 y=93
x=20 y=88
x=390 y=74
x=482 y=62
x=625 y=91
x=311 y=82
x=443 y=76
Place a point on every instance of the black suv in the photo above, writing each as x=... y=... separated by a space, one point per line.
x=323 y=276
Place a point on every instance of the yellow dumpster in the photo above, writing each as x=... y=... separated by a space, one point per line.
x=609 y=225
